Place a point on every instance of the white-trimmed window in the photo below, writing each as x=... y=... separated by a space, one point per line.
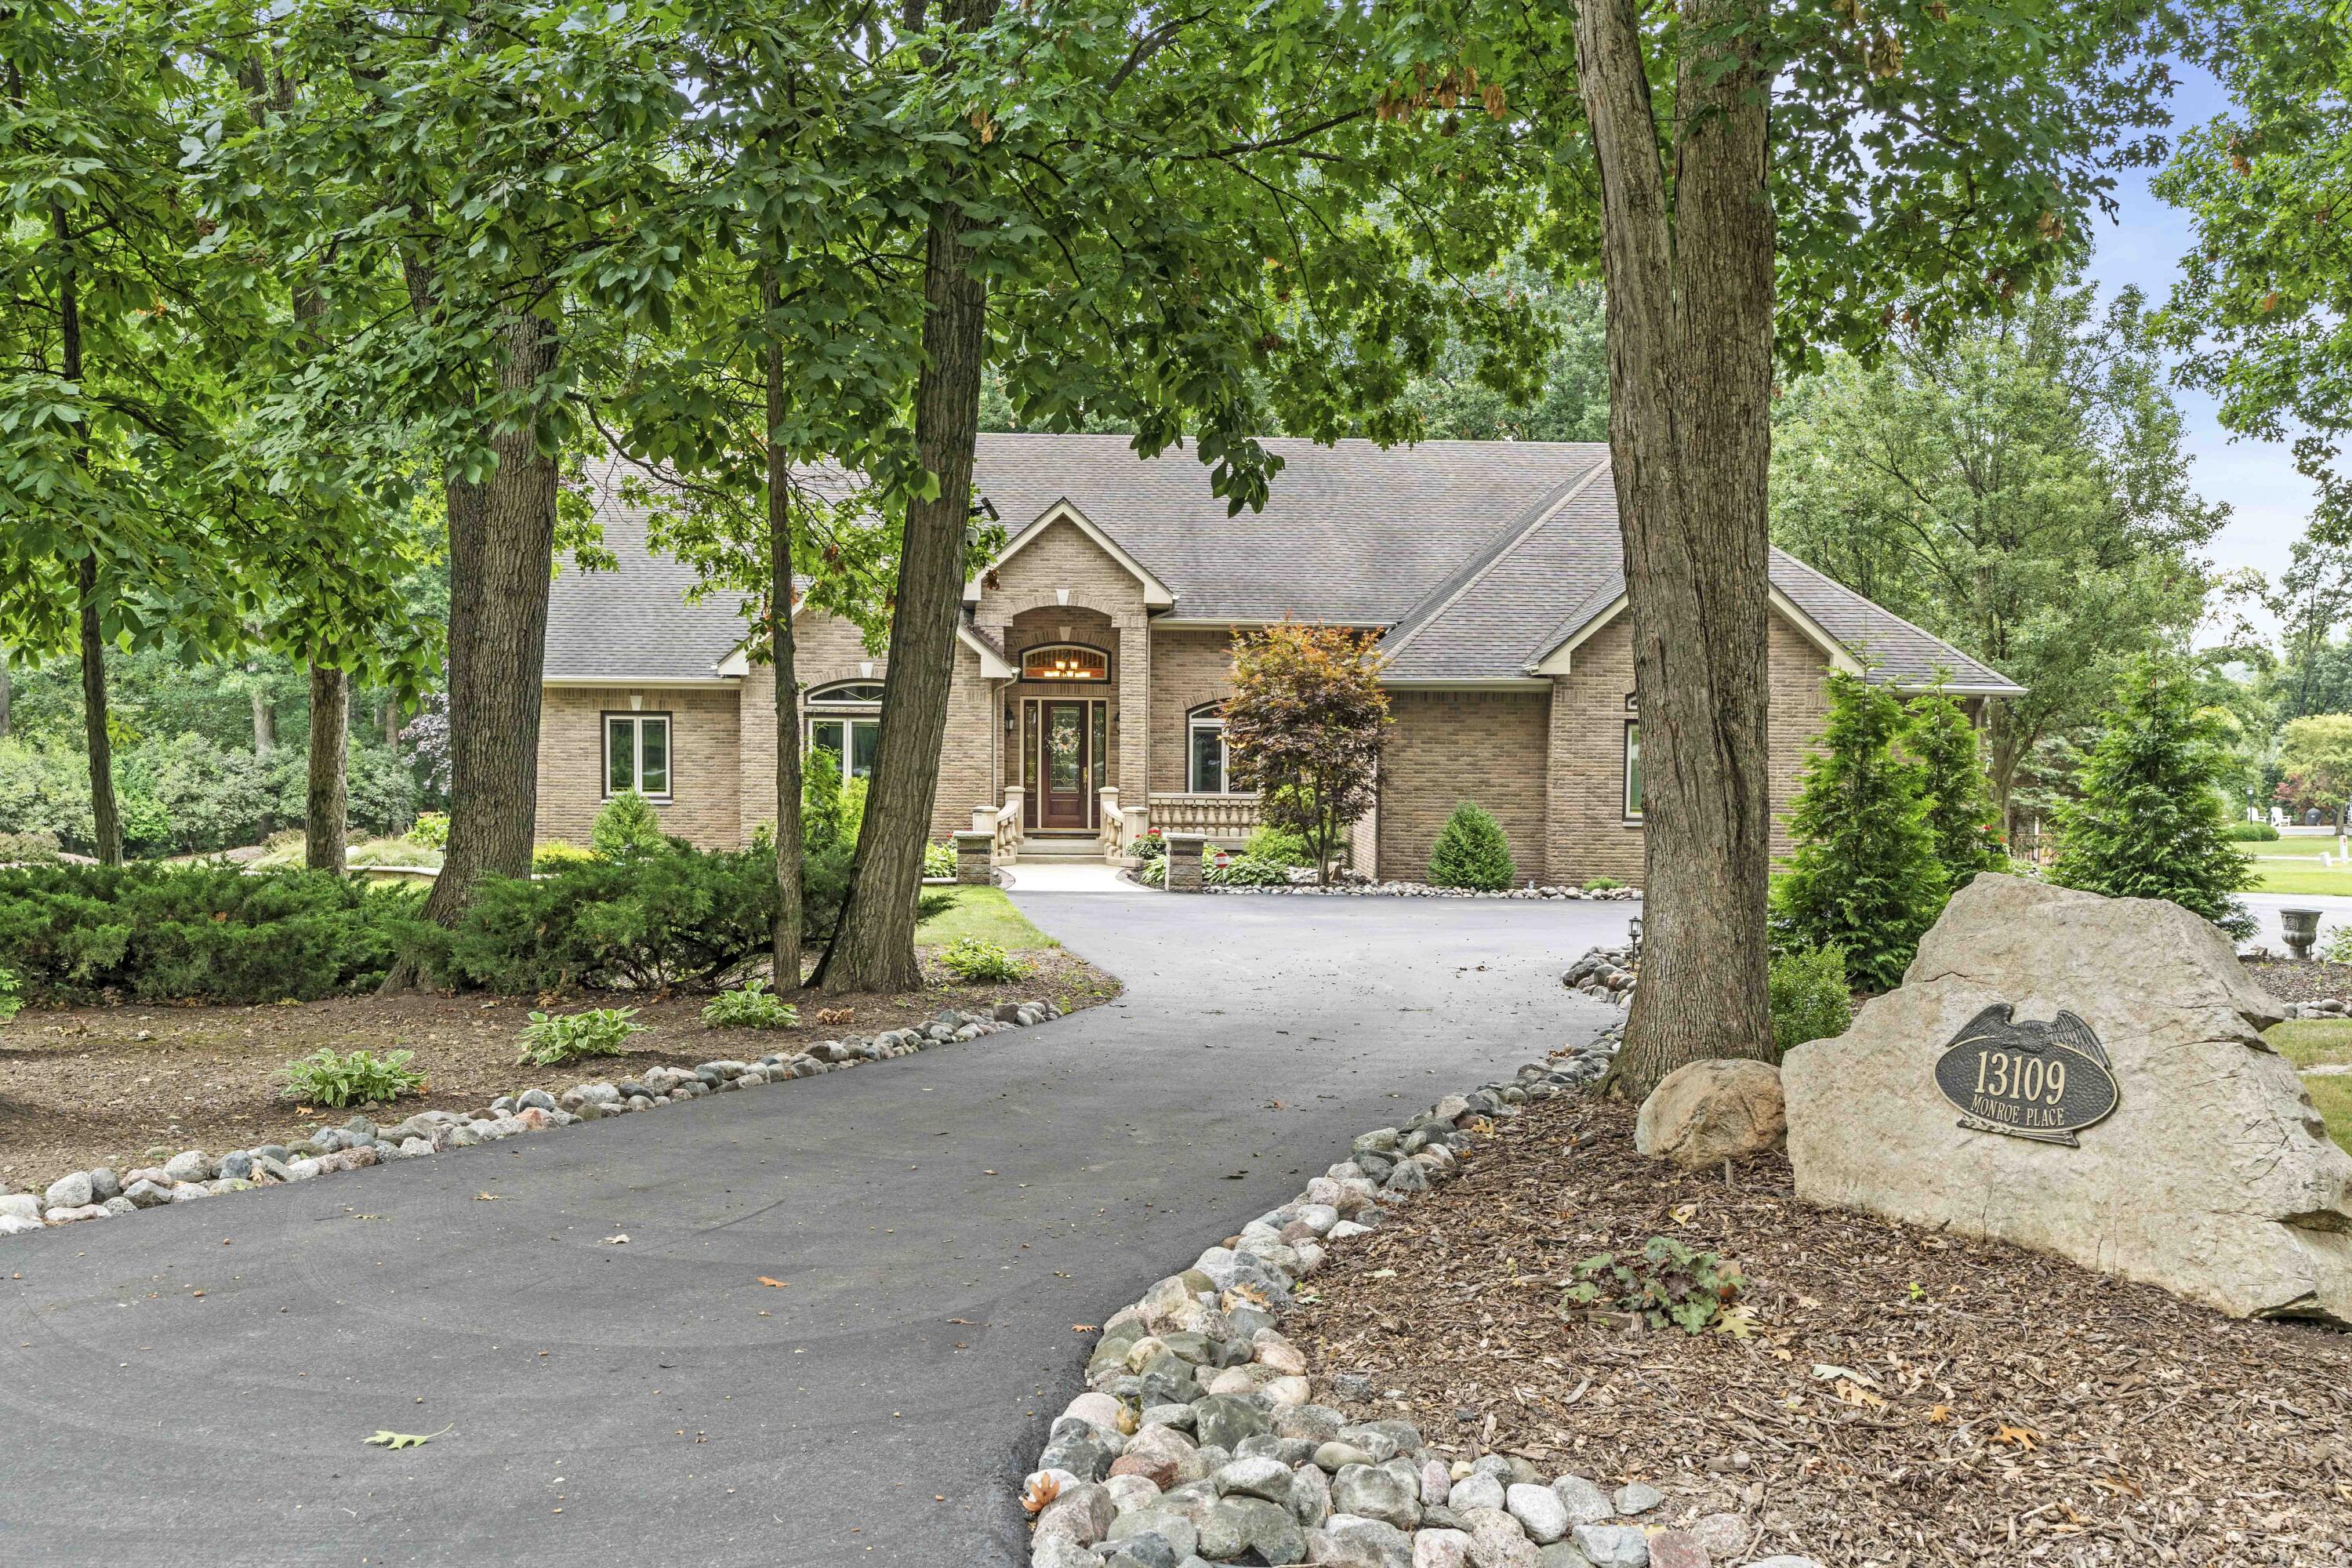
x=845 y=720
x=637 y=754
x=1066 y=661
x=1208 y=765
x=1633 y=770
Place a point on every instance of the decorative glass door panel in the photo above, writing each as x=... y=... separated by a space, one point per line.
x=1065 y=764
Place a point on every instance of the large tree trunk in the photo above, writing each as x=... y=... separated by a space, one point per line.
x=873 y=947
x=1690 y=342
x=501 y=548
x=326 y=823
x=787 y=953
x=7 y=692
x=106 y=820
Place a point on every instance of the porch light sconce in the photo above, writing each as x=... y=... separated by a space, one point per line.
x=1061 y=595
x=1009 y=722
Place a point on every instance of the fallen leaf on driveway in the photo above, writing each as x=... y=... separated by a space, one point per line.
x=777 y=1283
x=1081 y=1328
x=620 y=1240
x=403 y=1439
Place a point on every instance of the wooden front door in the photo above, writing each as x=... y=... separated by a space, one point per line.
x=1065 y=765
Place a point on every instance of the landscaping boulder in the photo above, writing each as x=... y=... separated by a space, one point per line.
x=1710 y=1111
x=2178 y=1148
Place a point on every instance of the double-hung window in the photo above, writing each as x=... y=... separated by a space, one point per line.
x=636 y=754
x=845 y=720
x=1208 y=769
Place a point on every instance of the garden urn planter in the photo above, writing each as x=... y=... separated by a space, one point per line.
x=2302 y=930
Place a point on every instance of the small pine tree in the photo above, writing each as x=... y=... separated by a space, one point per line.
x=2149 y=824
x=1472 y=852
x=1864 y=878
x=626 y=826
x=1961 y=816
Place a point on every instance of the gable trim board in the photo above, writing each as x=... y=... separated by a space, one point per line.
x=738 y=664
x=1157 y=595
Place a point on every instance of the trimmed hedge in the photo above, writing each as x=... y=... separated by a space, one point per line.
x=161 y=934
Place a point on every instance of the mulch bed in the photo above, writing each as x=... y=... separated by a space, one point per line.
x=2303 y=979
x=93 y=1085
x=1906 y=1397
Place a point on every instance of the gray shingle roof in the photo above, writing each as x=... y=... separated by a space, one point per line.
x=635 y=623
x=1481 y=557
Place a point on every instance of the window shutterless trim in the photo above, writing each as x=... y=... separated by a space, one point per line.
x=1628 y=775
x=1206 y=718
x=637 y=756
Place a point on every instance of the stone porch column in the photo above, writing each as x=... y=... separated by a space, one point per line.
x=1134 y=708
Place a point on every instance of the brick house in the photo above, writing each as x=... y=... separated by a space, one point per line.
x=1095 y=649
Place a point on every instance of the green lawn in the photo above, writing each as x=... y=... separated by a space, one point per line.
x=983 y=912
x=2322 y=1042
x=2294 y=866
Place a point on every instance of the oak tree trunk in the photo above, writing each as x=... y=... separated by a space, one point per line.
x=787 y=954
x=326 y=822
x=502 y=549
x=873 y=946
x=1689 y=279
x=106 y=820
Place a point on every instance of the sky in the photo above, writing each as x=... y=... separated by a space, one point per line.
x=2269 y=500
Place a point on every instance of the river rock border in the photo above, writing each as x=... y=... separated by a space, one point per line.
x=1607 y=974
x=192 y=1174
x=1201 y=1438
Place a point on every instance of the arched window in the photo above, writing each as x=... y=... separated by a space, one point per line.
x=1066 y=661
x=844 y=719
x=1208 y=769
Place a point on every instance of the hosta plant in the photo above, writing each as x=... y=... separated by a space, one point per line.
x=551 y=1038
x=752 y=1007
x=978 y=963
x=1665 y=1284
x=331 y=1079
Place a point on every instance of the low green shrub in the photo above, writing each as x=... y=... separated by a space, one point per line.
x=1665 y=1284
x=35 y=846
x=10 y=1003
x=325 y=1077
x=939 y=859
x=752 y=1007
x=1153 y=873
x=1603 y=885
x=2338 y=947
x=978 y=963
x=430 y=829
x=1810 y=998
x=1151 y=844
x=627 y=825
x=1247 y=871
x=555 y=854
x=551 y=1039
x=1279 y=844
x=2250 y=832
x=653 y=918
x=204 y=932
x=1472 y=852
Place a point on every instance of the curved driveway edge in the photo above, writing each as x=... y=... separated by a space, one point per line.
x=196 y=1388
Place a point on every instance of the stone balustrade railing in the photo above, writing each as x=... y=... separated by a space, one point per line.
x=1218 y=817
x=1002 y=823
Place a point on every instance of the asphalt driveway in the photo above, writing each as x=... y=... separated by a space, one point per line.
x=191 y=1385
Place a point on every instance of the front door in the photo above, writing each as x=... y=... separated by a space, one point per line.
x=1065 y=771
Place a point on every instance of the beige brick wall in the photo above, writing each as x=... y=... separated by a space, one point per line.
x=826 y=649
x=1447 y=747
x=1188 y=668
x=705 y=772
x=1588 y=835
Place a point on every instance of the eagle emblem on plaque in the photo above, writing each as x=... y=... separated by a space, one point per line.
x=2044 y=1079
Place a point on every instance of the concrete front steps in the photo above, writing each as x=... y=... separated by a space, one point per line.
x=1058 y=848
